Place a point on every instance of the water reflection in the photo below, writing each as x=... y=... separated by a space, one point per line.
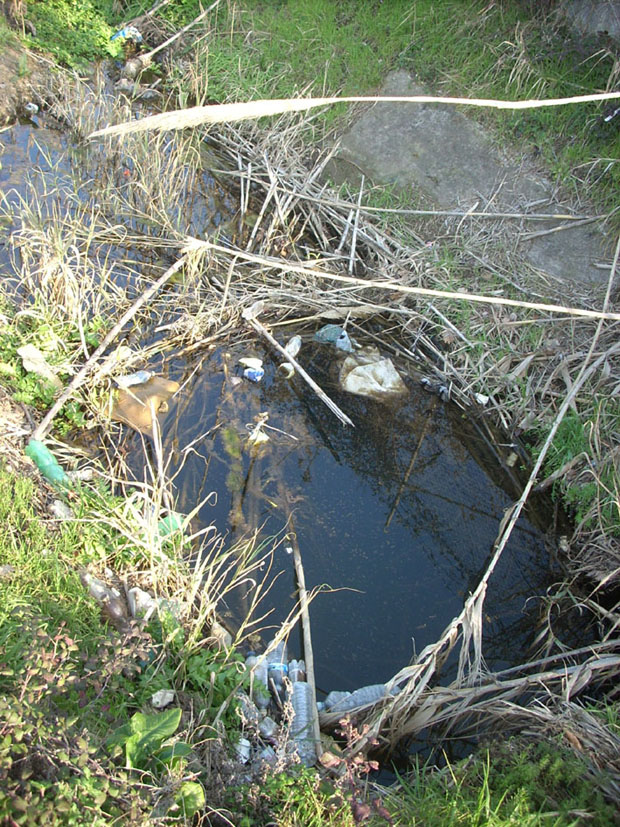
x=398 y=514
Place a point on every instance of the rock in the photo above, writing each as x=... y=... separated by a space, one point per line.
x=438 y=150
x=593 y=17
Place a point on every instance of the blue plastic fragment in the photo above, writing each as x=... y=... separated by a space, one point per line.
x=129 y=33
x=254 y=374
x=137 y=378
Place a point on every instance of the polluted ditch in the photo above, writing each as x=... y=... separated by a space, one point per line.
x=397 y=515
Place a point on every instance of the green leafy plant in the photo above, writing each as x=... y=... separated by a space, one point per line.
x=146 y=744
x=143 y=739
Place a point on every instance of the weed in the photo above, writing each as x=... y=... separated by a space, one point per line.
x=515 y=783
x=290 y=799
x=74 y=32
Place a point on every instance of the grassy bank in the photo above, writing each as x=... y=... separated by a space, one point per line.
x=258 y=49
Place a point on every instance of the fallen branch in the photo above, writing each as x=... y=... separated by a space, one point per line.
x=258 y=327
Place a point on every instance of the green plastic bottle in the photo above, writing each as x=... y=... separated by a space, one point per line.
x=47 y=463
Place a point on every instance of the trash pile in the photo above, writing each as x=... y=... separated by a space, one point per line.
x=364 y=371
x=277 y=687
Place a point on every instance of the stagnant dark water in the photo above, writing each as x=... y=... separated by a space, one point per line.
x=399 y=543
x=399 y=552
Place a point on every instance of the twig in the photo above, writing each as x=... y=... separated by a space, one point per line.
x=81 y=375
x=367 y=208
x=539 y=233
x=355 y=226
x=414 y=457
x=319 y=392
x=146 y=58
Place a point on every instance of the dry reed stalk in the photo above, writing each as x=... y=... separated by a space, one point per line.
x=367 y=284
x=231 y=112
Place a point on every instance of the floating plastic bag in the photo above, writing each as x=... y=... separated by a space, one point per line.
x=367 y=373
x=137 y=406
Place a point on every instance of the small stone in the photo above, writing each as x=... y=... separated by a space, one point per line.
x=61 y=510
x=162 y=698
x=221 y=636
x=141 y=604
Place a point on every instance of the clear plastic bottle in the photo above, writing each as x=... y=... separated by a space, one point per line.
x=361 y=697
x=277 y=666
x=301 y=725
x=334 y=697
x=296 y=670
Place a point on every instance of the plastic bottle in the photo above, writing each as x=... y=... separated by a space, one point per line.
x=361 y=697
x=260 y=691
x=334 y=697
x=276 y=664
x=301 y=725
x=296 y=670
x=46 y=463
x=268 y=727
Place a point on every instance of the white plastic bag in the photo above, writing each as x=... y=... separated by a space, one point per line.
x=367 y=373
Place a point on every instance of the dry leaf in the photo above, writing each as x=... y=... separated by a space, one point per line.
x=34 y=362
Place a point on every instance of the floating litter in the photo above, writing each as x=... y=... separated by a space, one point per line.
x=333 y=334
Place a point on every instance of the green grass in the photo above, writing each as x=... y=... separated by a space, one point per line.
x=67 y=680
x=519 y=783
x=577 y=435
x=259 y=49
x=75 y=33
x=263 y=49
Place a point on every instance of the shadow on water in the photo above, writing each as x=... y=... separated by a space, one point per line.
x=397 y=515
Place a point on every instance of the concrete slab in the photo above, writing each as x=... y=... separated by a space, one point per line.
x=592 y=17
x=439 y=151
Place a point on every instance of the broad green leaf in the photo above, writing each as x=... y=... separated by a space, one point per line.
x=157 y=725
x=190 y=797
x=149 y=732
x=172 y=754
